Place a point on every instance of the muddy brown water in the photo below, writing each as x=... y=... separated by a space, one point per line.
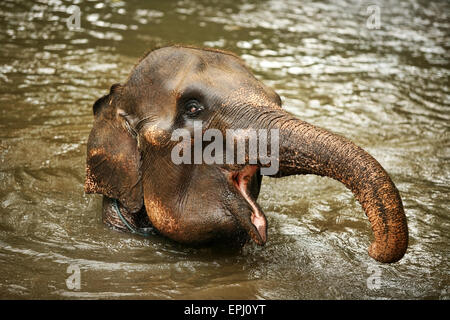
x=382 y=83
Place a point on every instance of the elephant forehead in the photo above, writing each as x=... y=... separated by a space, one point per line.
x=256 y=96
x=220 y=82
x=166 y=74
x=176 y=62
x=181 y=54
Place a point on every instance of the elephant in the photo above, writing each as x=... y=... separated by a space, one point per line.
x=129 y=155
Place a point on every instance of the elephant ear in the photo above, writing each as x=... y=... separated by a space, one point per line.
x=113 y=159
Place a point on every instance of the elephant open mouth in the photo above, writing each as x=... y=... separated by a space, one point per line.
x=255 y=223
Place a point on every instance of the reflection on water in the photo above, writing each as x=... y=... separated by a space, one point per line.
x=385 y=88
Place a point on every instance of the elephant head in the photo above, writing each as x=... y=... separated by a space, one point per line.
x=130 y=153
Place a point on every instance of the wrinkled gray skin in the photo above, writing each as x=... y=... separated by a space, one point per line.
x=129 y=154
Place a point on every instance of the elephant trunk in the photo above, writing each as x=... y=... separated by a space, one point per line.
x=306 y=149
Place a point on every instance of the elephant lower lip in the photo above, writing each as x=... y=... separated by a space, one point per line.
x=258 y=222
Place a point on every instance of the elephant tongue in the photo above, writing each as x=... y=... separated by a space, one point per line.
x=258 y=219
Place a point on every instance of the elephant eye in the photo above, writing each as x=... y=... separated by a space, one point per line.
x=193 y=108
